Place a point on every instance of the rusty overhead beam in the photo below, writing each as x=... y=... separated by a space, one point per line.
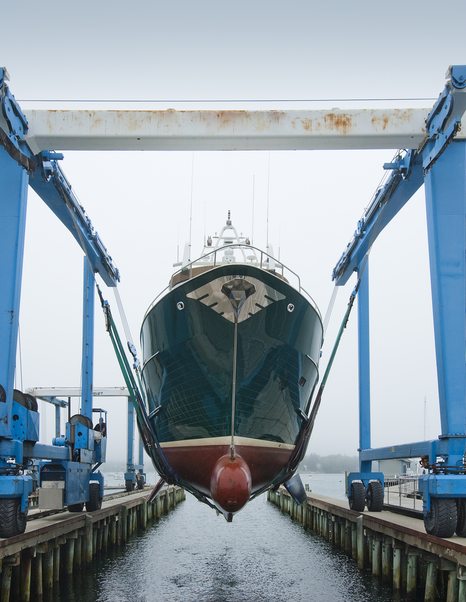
x=127 y=130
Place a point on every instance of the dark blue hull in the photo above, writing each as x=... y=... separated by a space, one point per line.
x=189 y=367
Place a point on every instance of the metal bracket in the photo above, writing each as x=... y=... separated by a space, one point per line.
x=13 y=126
x=401 y=164
x=444 y=121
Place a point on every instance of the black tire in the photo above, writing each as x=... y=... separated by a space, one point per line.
x=374 y=496
x=12 y=520
x=32 y=402
x=461 y=518
x=21 y=398
x=357 y=498
x=129 y=486
x=76 y=507
x=442 y=518
x=95 y=501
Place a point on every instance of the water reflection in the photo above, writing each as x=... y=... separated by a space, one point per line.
x=194 y=555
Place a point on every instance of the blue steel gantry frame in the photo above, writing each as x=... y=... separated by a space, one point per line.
x=72 y=460
x=134 y=475
x=440 y=164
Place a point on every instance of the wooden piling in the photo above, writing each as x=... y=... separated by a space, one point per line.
x=6 y=583
x=56 y=563
x=123 y=520
x=430 y=592
x=26 y=562
x=452 y=588
x=376 y=557
x=462 y=591
x=48 y=569
x=396 y=581
x=354 y=541
x=360 y=541
x=94 y=539
x=105 y=535
x=386 y=561
x=78 y=551
x=411 y=576
x=38 y=584
x=69 y=556
x=88 y=541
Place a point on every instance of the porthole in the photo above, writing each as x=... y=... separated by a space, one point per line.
x=180 y=305
x=290 y=307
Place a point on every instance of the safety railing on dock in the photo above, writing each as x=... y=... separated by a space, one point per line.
x=403 y=492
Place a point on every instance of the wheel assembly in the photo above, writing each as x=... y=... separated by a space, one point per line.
x=95 y=501
x=12 y=520
x=357 y=497
x=443 y=517
x=374 y=496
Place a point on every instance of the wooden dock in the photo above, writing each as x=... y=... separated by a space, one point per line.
x=394 y=548
x=56 y=545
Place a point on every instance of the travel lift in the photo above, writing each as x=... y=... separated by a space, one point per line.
x=134 y=477
x=70 y=465
x=440 y=164
x=67 y=471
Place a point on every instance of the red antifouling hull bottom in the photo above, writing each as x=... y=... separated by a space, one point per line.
x=196 y=463
x=230 y=483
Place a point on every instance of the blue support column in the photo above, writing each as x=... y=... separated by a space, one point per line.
x=141 y=456
x=130 y=462
x=57 y=420
x=13 y=202
x=130 y=474
x=364 y=366
x=88 y=340
x=445 y=185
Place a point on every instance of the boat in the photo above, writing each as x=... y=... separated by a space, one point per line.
x=230 y=353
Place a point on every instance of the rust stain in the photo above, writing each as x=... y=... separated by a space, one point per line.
x=307 y=124
x=340 y=122
x=397 y=115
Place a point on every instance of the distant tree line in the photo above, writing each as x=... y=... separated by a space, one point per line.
x=335 y=463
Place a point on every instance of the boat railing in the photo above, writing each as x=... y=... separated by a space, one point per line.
x=224 y=255
x=248 y=254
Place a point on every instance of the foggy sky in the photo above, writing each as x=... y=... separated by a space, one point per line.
x=139 y=202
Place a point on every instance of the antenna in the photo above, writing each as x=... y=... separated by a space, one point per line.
x=425 y=412
x=268 y=201
x=253 y=199
x=191 y=207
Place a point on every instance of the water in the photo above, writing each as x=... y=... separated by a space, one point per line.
x=193 y=555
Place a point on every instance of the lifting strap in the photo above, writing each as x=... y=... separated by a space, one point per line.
x=151 y=445
x=134 y=385
x=308 y=425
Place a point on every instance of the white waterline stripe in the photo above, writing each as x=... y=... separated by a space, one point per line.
x=247 y=441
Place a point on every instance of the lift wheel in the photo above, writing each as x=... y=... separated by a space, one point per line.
x=374 y=496
x=12 y=520
x=443 y=517
x=357 y=497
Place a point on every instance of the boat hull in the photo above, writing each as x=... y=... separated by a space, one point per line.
x=212 y=371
